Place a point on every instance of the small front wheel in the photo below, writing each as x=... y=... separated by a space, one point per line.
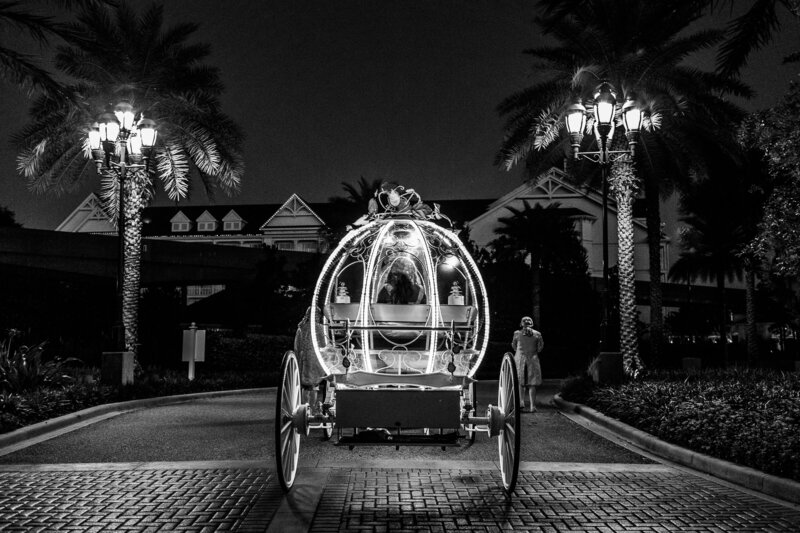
x=287 y=434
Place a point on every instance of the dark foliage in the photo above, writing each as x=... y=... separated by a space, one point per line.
x=750 y=417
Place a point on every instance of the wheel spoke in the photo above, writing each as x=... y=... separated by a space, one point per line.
x=286 y=426
x=288 y=471
x=509 y=429
x=509 y=461
x=285 y=441
x=286 y=398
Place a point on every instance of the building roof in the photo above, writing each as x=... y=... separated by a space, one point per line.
x=157 y=220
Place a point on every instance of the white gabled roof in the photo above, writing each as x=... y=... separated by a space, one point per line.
x=294 y=207
x=179 y=217
x=89 y=216
x=232 y=216
x=205 y=216
x=552 y=186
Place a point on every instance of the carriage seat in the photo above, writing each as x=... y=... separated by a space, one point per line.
x=461 y=315
x=416 y=314
x=341 y=312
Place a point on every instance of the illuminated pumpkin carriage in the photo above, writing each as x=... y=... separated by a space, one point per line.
x=399 y=322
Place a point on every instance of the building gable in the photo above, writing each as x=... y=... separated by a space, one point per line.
x=293 y=213
x=232 y=216
x=179 y=217
x=232 y=221
x=206 y=222
x=180 y=222
x=89 y=217
x=206 y=217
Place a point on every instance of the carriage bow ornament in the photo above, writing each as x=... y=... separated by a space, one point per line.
x=392 y=200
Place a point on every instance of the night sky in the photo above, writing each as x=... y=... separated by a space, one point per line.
x=331 y=91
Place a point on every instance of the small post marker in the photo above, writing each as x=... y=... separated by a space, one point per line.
x=194 y=347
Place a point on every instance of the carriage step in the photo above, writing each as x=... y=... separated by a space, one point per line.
x=370 y=438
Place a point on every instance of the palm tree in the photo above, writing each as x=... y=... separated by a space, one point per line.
x=639 y=47
x=545 y=234
x=349 y=207
x=746 y=33
x=750 y=31
x=20 y=68
x=718 y=213
x=120 y=55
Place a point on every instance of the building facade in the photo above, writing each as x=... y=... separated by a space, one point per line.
x=299 y=225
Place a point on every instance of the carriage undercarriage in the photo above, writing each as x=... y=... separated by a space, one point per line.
x=398 y=415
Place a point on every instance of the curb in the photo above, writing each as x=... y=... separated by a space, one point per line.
x=99 y=411
x=778 y=487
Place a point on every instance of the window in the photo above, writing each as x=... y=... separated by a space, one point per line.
x=180 y=226
x=233 y=225
x=284 y=245
x=206 y=226
x=307 y=246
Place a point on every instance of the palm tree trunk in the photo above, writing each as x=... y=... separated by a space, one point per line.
x=134 y=205
x=624 y=184
x=750 y=302
x=654 y=248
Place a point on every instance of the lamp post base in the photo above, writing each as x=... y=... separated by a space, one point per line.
x=607 y=368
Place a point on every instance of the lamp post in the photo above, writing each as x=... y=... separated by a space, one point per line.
x=603 y=112
x=121 y=144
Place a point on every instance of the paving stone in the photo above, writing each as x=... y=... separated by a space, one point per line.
x=132 y=500
x=644 y=501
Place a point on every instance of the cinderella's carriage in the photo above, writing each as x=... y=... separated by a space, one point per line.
x=400 y=371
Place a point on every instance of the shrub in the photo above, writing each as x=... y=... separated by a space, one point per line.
x=17 y=410
x=750 y=417
x=226 y=351
x=577 y=389
x=24 y=369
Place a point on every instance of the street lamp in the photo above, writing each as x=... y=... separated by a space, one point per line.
x=120 y=144
x=603 y=112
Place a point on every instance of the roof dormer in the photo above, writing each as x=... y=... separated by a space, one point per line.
x=180 y=223
x=206 y=222
x=232 y=221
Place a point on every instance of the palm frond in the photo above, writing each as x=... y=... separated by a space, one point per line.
x=109 y=195
x=749 y=32
x=172 y=165
x=21 y=70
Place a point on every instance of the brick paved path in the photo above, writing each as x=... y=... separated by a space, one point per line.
x=138 y=500
x=553 y=497
x=612 y=498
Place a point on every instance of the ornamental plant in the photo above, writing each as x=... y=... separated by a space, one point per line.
x=750 y=417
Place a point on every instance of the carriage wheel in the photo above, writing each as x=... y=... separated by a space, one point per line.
x=287 y=433
x=472 y=429
x=327 y=429
x=508 y=441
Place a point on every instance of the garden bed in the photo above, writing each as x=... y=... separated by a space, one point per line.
x=749 y=417
x=35 y=387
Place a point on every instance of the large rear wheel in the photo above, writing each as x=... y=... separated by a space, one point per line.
x=287 y=432
x=509 y=437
